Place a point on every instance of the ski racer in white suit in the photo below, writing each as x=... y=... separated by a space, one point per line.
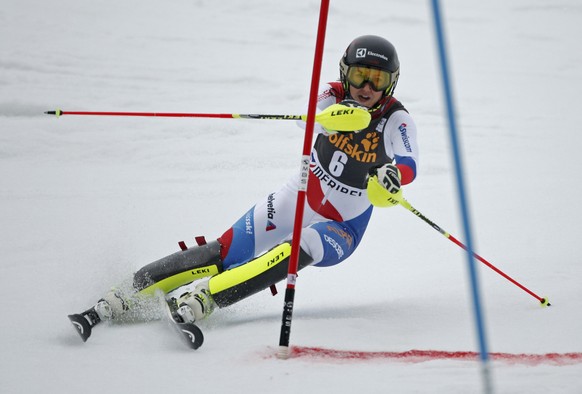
x=350 y=172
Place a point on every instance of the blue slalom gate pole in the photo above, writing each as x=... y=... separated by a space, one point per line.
x=479 y=320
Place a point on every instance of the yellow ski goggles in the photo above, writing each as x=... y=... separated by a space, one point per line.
x=358 y=76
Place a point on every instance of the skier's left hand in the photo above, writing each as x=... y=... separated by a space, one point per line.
x=384 y=186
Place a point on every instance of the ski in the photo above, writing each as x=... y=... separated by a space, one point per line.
x=84 y=322
x=190 y=333
x=82 y=326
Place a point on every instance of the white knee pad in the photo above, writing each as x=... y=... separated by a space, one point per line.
x=311 y=244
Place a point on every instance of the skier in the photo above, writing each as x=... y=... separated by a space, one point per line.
x=350 y=172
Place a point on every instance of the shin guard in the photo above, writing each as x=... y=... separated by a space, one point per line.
x=243 y=281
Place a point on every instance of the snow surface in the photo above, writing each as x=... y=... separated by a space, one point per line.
x=85 y=201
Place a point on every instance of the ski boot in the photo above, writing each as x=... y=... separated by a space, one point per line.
x=193 y=306
x=109 y=307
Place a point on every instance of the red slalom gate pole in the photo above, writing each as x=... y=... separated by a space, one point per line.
x=283 y=352
x=543 y=300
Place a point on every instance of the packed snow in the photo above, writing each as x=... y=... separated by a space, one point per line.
x=86 y=201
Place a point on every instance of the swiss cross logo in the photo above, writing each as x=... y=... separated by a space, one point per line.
x=360 y=52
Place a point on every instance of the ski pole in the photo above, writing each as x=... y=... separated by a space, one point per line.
x=543 y=300
x=340 y=117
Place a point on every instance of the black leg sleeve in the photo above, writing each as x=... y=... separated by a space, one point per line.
x=179 y=269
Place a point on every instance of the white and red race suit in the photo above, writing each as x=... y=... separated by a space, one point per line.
x=337 y=209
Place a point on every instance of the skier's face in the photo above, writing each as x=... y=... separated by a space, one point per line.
x=365 y=95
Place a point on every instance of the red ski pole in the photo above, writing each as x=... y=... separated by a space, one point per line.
x=543 y=300
x=335 y=117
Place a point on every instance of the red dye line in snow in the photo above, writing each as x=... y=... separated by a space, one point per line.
x=416 y=356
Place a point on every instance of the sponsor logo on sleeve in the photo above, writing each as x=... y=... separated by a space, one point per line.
x=404 y=135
